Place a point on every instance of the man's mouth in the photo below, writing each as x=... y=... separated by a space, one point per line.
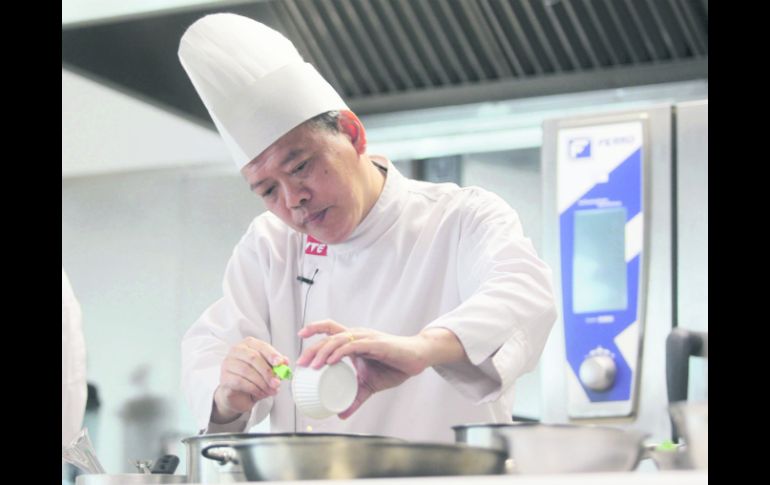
x=315 y=217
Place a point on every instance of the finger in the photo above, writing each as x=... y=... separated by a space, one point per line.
x=235 y=383
x=271 y=355
x=255 y=359
x=329 y=346
x=328 y=327
x=363 y=394
x=361 y=347
x=309 y=353
x=247 y=372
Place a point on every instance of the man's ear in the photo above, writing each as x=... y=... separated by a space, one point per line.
x=352 y=127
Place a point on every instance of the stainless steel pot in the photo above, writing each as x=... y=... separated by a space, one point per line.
x=217 y=468
x=128 y=479
x=319 y=457
x=552 y=448
x=677 y=458
x=692 y=420
x=201 y=470
x=491 y=435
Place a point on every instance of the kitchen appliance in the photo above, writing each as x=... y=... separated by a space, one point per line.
x=626 y=234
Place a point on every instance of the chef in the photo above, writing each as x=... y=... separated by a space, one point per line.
x=432 y=290
x=73 y=364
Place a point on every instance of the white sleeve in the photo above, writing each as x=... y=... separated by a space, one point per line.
x=74 y=389
x=241 y=312
x=508 y=306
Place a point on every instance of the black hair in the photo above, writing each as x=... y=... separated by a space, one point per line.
x=328 y=120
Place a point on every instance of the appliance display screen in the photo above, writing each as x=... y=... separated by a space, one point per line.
x=599 y=262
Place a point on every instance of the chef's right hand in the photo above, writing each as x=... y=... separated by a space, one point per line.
x=246 y=377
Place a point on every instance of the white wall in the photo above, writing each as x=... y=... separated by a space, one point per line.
x=77 y=11
x=145 y=252
x=151 y=208
x=106 y=131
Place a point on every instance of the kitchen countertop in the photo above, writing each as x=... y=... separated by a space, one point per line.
x=688 y=477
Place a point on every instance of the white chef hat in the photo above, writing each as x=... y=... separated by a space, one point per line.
x=253 y=82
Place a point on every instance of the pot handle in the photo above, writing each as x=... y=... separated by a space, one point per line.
x=680 y=345
x=221 y=452
x=166 y=465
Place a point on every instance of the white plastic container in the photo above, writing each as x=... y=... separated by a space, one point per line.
x=321 y=393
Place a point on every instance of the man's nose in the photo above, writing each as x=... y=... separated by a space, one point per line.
x=297 y=195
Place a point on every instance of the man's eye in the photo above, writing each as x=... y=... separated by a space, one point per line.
x=268 y=192
x=300 y=167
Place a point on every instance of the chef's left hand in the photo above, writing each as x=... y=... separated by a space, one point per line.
x=381 y=360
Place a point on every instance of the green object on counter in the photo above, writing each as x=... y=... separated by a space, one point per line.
x=283 y=371
x=667 y=445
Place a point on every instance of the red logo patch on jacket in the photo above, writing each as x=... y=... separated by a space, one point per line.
x=315 y=247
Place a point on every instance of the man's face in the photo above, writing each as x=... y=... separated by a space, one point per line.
x=314 y=180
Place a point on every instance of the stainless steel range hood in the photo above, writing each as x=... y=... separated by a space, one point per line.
x=392 y=55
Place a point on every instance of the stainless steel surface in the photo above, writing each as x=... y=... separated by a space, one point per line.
x=201 y=470
x=492 y=435
x=678 y=459
x=223 y=466
x=143 y=466
x=128 y=479
x=81 y=453
x=316 y=457
x=393 y=55
x=692 y=420
x=549 y=448
x=692 y=224
x=598 y=372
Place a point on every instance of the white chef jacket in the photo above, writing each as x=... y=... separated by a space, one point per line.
x=73 y=364
x=426 y=255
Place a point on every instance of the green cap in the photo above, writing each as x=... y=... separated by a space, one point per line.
x=283 y=371
x=667 y=445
